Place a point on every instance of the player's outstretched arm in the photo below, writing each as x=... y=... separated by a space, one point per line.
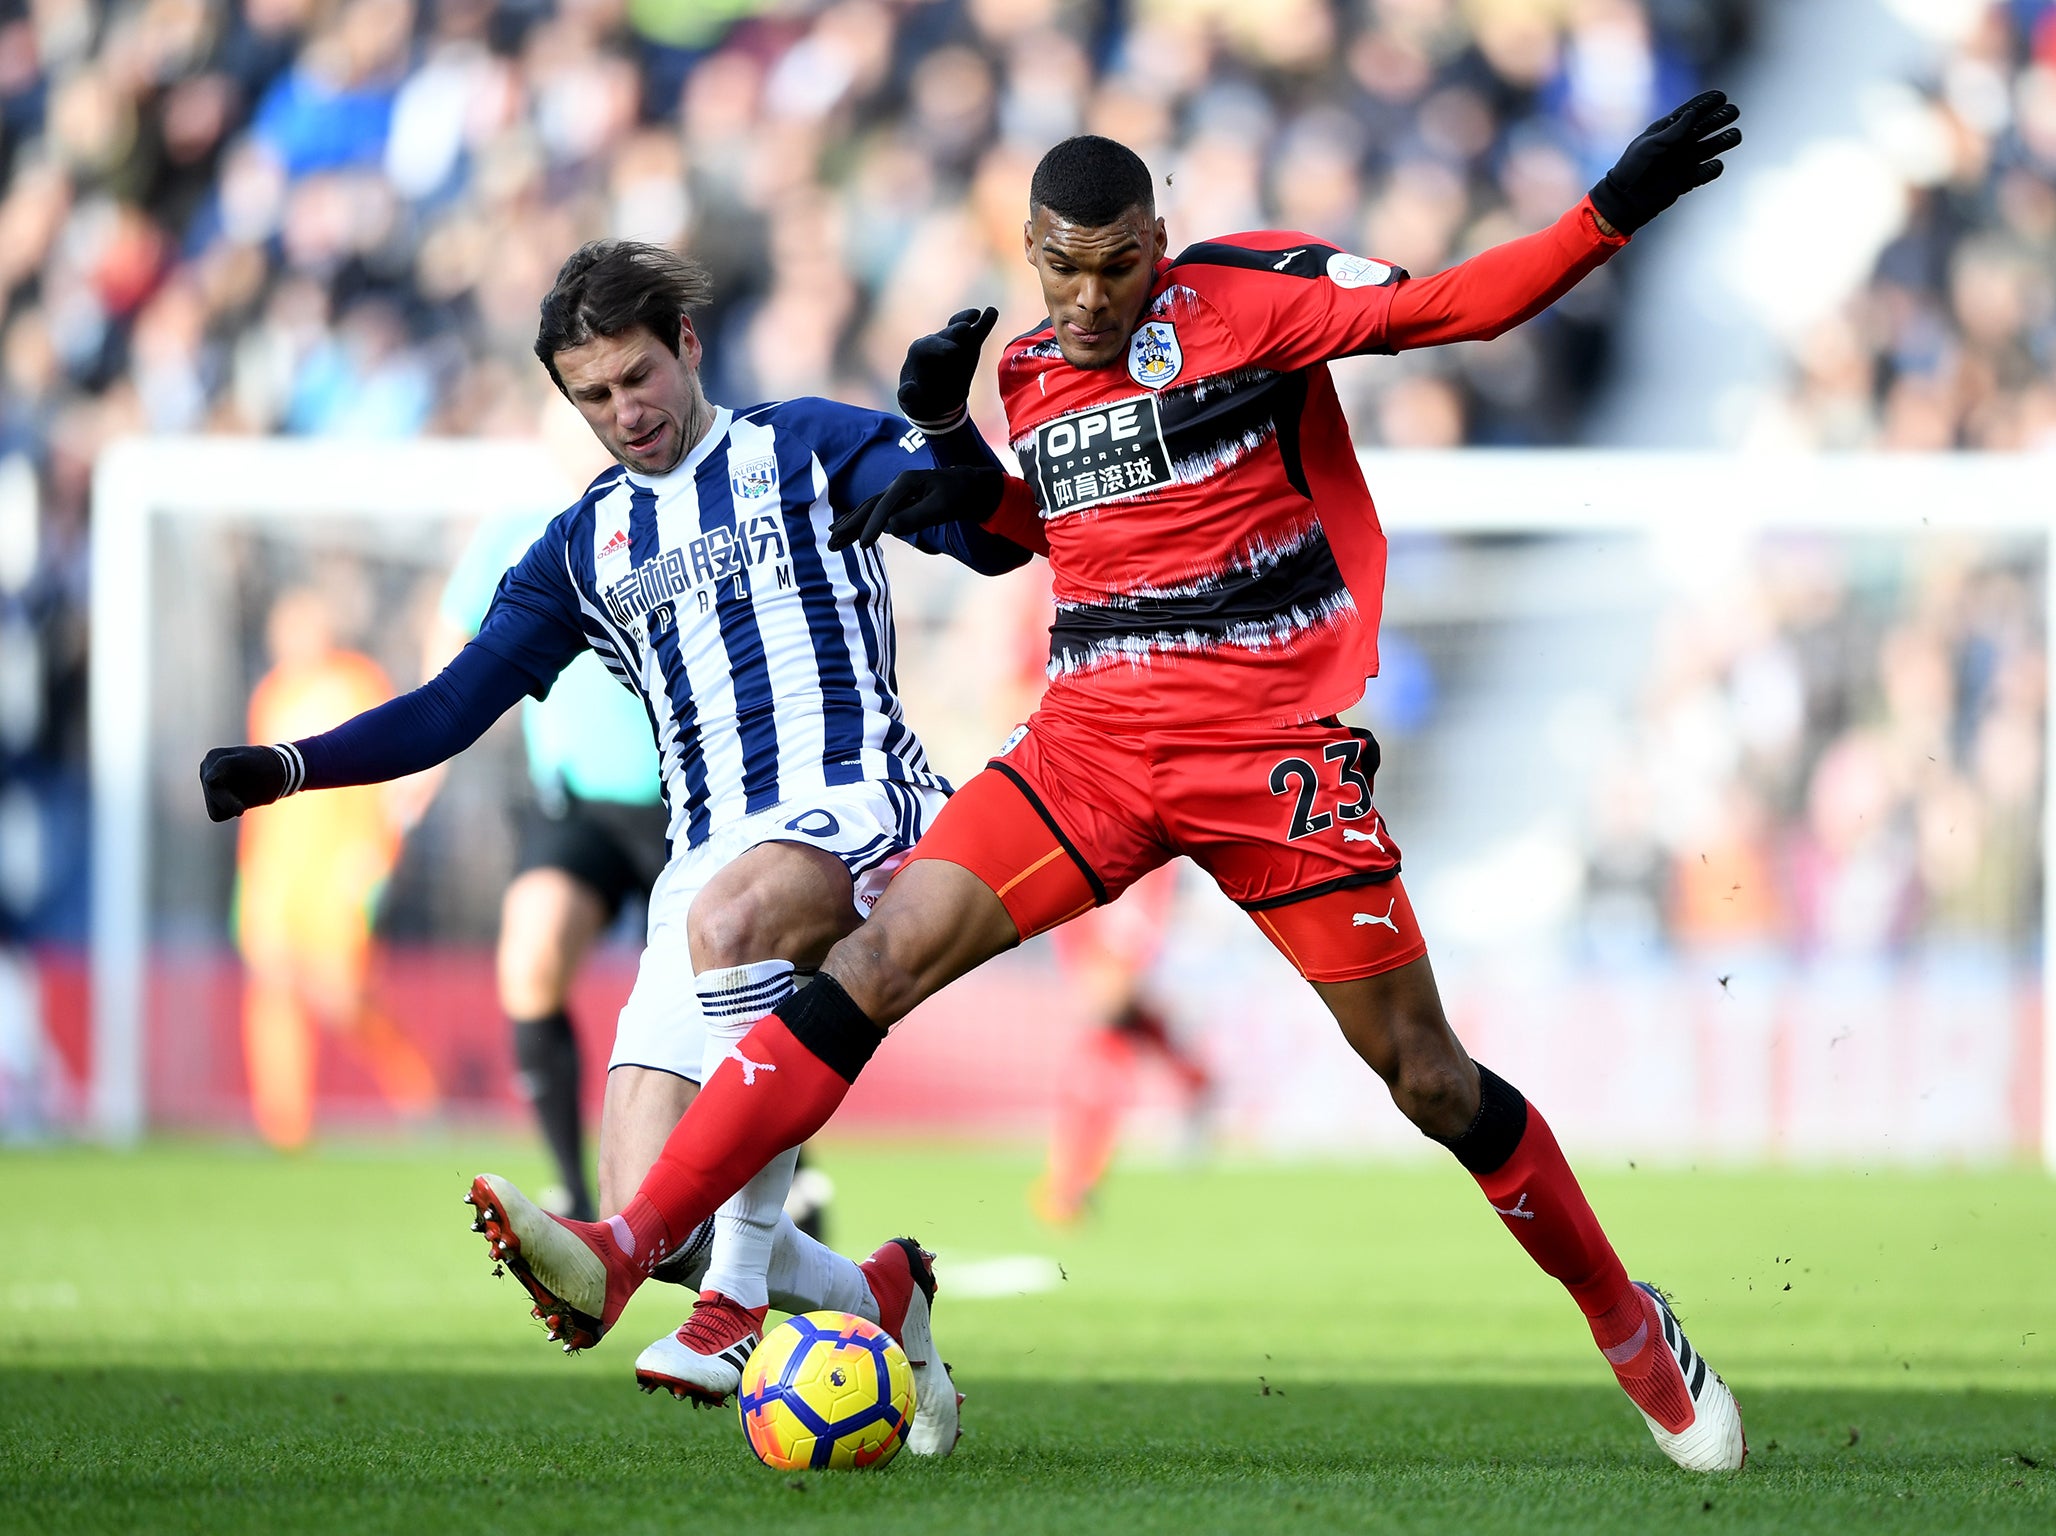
x=417 y=730
x=1498 y=289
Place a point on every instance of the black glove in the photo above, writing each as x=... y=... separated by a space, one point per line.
x=1669 y=158
x=935 y=380
x=235 y=779
x=921 y=498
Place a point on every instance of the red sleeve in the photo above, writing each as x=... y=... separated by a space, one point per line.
x=1286 y=300
x=1017 y=521
x=1499 y=288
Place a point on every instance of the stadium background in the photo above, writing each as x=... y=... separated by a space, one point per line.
x=1817 y=768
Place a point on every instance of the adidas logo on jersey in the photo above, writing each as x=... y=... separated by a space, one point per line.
x=615 y=545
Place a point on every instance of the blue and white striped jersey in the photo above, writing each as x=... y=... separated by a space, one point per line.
x=765 y=661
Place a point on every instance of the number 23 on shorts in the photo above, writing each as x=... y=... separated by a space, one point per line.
x=1356 y=759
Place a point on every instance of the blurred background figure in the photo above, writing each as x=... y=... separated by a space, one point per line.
x=308 y=876
x=1106 y=957
x=592 y=840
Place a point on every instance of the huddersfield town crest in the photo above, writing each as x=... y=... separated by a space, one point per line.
x=757 y=478
x=1154 y=357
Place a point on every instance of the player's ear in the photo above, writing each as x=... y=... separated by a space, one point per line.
x=689 y=346
x=1163 y=243
x=1028 y=240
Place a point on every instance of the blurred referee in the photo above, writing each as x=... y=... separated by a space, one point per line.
x=592 y=837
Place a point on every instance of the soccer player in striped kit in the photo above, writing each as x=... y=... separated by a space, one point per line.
x=699 y=569
x=1218 y=569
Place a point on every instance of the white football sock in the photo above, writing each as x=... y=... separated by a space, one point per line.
x=746 y=1225
x=808 y=1276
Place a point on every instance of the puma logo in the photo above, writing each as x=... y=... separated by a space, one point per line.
x=1286 y=260
x=1520 y=1211
x=1351 y=835
x=1367 y=920
x=750 y=1069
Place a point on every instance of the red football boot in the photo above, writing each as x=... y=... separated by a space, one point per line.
x=579 y=1273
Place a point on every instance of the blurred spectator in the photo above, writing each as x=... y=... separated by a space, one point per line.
x=1849 y=743
x=1952 y=342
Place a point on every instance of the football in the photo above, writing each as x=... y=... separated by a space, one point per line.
x=826 y=1389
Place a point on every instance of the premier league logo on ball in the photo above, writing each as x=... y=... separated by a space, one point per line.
x=1153 y=356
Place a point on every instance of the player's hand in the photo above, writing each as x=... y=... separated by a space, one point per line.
x=917 y=499
x=1669 y=158
x=235 y=779
x=935 y=380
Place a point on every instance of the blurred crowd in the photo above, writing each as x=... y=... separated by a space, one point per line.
x=1840 y=755
x=1952 y=341
x=337 y=217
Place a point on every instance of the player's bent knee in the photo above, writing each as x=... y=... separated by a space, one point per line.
x=778 y=901
x=730 y=931
x=1438 y=1093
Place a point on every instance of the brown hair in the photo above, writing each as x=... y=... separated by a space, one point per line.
x=609 y=287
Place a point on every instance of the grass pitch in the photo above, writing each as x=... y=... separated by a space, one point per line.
x=215 y=1339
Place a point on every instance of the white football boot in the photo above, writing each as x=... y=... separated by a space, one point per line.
x=1712 y=1440
x=703 y=1360
x=901 y=1275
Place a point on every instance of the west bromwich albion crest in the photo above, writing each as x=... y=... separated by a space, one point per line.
x=757 y=478
x=1154 y=357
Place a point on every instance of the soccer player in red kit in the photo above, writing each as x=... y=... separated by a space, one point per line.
x=1218 y=569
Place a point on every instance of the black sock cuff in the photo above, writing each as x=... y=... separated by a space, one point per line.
x=1501 y=1122
x=828 y=1022
x=550 y=1026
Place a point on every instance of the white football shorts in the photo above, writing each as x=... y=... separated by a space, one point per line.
x=871 y=827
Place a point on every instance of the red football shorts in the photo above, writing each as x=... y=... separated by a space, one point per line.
x=1071 y=813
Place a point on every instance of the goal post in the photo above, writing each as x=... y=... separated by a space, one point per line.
x=137 y=484
x=1552 y=535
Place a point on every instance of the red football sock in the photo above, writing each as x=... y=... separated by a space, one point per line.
x=1537 y=1196
x=775 y=1088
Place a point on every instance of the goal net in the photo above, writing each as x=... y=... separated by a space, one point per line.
x=1721 y=783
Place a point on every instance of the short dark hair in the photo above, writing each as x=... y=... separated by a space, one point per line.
x=1091 y=181
x=609 y=287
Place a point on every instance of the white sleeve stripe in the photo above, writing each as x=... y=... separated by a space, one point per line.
x=938 y=428
x=296 y=767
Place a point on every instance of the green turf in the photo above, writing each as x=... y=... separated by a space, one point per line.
x=208 y=1339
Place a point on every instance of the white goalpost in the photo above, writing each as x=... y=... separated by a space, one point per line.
x=1685 y=511
x=138 y=485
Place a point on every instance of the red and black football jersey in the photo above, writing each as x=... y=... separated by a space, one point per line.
x=1214 y=550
